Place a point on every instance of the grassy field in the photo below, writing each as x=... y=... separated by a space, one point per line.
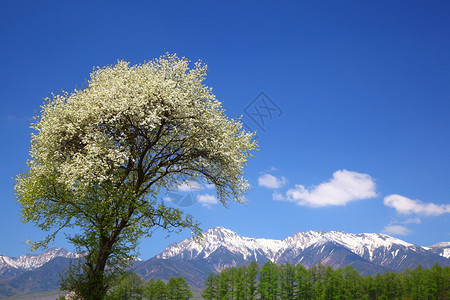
x=51 y=295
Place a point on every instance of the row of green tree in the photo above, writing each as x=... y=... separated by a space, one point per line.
x=289 y=282
x=132 y=286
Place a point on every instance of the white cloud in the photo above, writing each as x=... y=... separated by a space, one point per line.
x=271 y=169
x=406 y=206
x=207 y=200
x=271 y=182
x=189 y=186
x=344 y=187
x=209 y=186
x=168 y=198
x=411 y=221
x=278 y=196
x=396 y=230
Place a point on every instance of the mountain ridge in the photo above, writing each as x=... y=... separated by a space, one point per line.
x=363 y=244
x=10 y=266
x=368 y=253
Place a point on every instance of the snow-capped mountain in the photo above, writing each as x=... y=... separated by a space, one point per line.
x=364 y=245
x=367 y=252
x=443 y=249
x=213 y=239
x=15 y=265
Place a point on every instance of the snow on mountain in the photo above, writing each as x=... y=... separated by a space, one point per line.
x=369 y=246
x=368 y=253
x=443 y=249
x=222 y=237
x=364 y=244
x=32 y=261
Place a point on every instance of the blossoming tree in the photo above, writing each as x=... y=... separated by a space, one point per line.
x=100 y=156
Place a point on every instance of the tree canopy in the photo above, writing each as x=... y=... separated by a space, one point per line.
x=287 y=282
x=101 y=155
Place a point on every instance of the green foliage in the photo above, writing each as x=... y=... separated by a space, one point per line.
x=269 y=281
x=211 y=287
x=100 y=156
x=178 y=289
x=175 y=289
x=287 y=282
x=323 y=282
x=129 y=287
x=251 y=280
x=83 y=285
x=155 y=290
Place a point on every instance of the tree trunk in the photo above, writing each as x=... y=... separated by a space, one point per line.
x=96 y=283
x=96 y=279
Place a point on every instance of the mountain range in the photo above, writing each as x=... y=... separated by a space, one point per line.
x=368 y=253
x=10 y=266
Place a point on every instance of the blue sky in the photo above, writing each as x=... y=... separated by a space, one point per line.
x=353 y=124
